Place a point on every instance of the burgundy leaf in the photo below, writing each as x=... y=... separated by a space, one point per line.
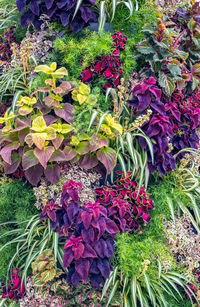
x=107 y=156
x=58 y=156
x=69 y=153
x=52 y=173
x=88 y=235
x=21 y=5
x=15 y=162
x=49 y=3
x=88 y=162
x=58 y=141
x=34 y=174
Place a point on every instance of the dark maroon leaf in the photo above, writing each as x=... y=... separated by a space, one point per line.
x=75 y=278
x=34 y=7
x=26 y=18
x=15 y=162
x=100 y=247
x=52 y=173
x=88 y=235
x=34 y=174
x=96 y=281
x=93 y=268
x=62 y=3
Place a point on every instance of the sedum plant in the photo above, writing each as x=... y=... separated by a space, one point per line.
x=45 y=129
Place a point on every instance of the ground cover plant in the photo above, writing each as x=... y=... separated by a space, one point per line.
x=99 y=153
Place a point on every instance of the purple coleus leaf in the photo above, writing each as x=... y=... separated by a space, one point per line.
x=89 y=252
x=76 y=246
x=111 y=227
x=86 y=217
x=49 y=3
x=50 y=210
x=82 y=267
x=21 y=5
x=67 y=257
x=34 y=7
x=104 y=267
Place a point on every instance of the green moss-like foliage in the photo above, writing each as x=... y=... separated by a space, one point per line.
x=132 y=26
x=16 y=201
x=133 y=250
x=16 y=204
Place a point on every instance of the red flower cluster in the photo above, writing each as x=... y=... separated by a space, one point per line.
x=108 y=66
x=6 y=41
x=127 y=205
x=15 y=289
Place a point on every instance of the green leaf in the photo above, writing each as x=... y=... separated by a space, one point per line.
x=167 y=83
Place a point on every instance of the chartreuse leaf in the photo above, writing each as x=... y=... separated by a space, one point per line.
x=39 y=124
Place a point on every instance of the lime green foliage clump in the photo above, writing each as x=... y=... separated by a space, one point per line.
x=137 y=256
x=79 y=52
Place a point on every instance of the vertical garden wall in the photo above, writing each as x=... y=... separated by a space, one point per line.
x=99 y=153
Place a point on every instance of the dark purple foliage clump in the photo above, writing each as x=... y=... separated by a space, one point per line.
x=171 y=127
x=58 y=10
x=90 y=230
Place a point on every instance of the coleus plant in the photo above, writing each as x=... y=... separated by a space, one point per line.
x=89 y=230
x=74 y=13
x=6 y=41
x=89 y=236
x=45 y=130
x=15 y=289
x=108 y=66
x=172 y=125
x=167 y=57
